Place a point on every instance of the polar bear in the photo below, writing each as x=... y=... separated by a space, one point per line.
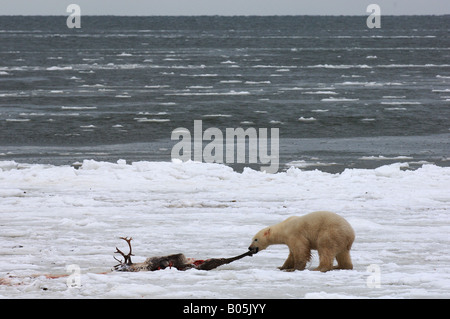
x=328 y=233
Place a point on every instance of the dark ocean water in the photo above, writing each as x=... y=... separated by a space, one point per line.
x=341 y=94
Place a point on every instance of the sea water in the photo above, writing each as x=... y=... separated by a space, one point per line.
x=341 y=94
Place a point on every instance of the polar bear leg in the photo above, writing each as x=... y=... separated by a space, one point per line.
x=299 y=255
x=344 y=260
x=326 y=258
x=289 y=263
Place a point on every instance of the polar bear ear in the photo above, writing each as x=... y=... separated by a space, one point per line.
x=266 y=233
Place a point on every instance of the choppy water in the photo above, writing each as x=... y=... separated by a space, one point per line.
x=341 y=94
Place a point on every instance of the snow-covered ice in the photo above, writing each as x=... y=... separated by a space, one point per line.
x=52 y=217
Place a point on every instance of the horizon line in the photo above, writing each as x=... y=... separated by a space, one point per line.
x=220 y=15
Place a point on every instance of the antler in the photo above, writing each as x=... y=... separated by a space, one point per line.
x=127 y=257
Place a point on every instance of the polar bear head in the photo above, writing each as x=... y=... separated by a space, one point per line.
x=260 y=241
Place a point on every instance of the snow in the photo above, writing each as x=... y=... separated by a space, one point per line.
x=55 y=217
